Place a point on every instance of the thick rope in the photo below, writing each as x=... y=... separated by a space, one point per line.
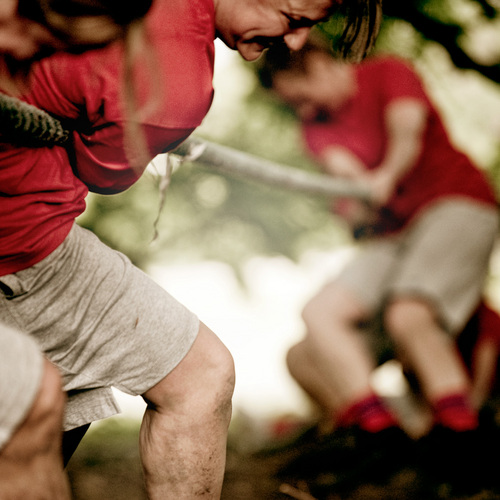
x=236 y=163
x=25 y=125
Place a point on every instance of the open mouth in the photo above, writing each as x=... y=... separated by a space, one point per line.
x=265 y=41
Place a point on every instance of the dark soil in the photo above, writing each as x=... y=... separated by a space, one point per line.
x=107 y=466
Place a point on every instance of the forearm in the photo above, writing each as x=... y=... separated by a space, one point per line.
x=405 y=121
x=340 y=162
x=403 y=151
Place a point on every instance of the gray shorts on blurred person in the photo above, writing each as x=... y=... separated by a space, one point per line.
x=442 y=257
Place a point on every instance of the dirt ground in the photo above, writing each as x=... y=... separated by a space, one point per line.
x=107 y=466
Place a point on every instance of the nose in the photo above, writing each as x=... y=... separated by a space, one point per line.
x=296 y=39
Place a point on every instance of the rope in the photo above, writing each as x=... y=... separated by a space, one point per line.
x=233 y=162
x=26 y=125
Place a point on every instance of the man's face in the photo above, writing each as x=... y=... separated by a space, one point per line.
x=324 y=88
x=250 y=26
x=301 y=93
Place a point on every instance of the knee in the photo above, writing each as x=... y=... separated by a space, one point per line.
x=325 y=306
x=219 y=376
x=202 y=383
x=405 y=317
x=220 y=382
x=334 y=309
x=296 y=358
x=215 y=386
x=41 y=431
x=311 y=310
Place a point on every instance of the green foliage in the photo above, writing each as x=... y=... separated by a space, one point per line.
x=124 y=221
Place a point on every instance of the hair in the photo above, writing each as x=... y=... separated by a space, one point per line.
x=74 y=21
x=361 y=19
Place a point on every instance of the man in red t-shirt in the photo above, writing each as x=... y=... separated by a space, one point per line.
x=431 y=226
x=99 y=319
x=32 y=400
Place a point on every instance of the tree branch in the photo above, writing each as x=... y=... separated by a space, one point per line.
x=446 y=34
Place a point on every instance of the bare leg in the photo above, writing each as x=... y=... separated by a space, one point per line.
x=426 y=347
x=303 y=369
x=184 y=430
x=31 y=465
x=339 y=354
x=335 y=349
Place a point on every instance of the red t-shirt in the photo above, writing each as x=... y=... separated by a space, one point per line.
x=441 y=169
x=42 y=190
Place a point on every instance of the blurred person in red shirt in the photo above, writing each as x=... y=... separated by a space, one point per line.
x=426 y=241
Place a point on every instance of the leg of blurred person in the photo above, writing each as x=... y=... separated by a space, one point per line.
x=433 y=355
x=31 y=414
x=426 y=310
x=426 y=300
x=183 y=435
x=342 y=364
x=479 y=347
x=334 y=364
x=343 y=357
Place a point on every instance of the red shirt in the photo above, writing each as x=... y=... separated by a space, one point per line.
x=42 y=190
x=441 y=169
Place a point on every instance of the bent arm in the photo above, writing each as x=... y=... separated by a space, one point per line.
x=405 y=122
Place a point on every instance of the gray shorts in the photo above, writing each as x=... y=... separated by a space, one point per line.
x=442 y=256
x=21 y=366
x=102 y=321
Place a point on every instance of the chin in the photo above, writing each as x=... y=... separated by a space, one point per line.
x=250 y=52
